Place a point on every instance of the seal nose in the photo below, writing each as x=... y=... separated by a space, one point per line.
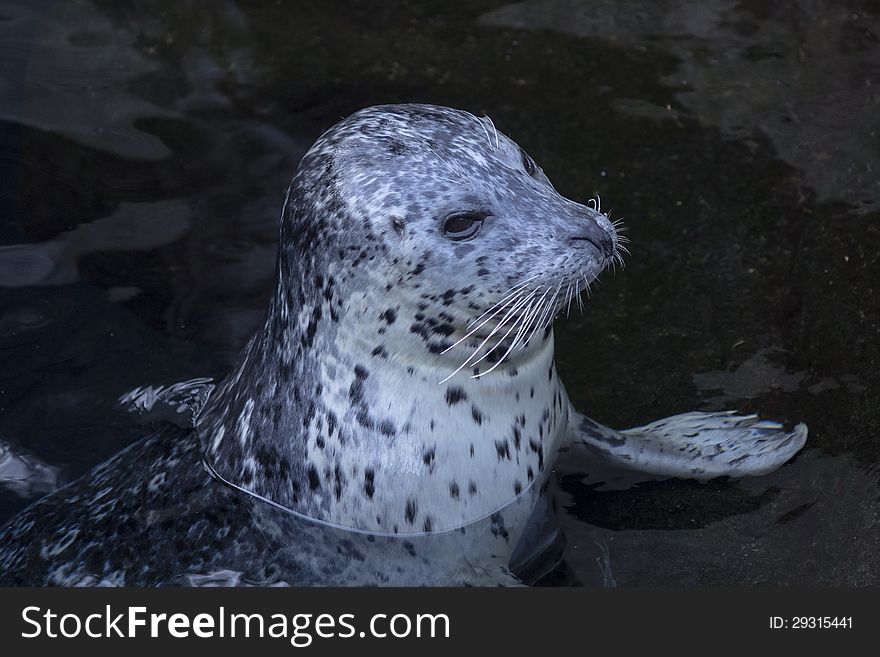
x=598 y=237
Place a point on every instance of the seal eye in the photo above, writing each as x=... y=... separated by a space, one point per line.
x=462 y=226
x=528 y=163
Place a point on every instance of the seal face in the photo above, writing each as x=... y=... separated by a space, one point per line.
x=404 y=379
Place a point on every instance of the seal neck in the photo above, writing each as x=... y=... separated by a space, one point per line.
x=337 y=411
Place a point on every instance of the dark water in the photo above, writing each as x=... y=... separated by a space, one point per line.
x=145 y=148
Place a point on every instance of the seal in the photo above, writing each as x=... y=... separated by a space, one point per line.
x=396 y=418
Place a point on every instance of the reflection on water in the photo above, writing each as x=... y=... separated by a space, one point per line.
x=144 y=227
x=144 y=153
x=25 y=475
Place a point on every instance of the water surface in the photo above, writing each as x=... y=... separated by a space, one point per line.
x=145 y=149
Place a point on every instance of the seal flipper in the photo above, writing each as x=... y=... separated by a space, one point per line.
x=693 y=445
x=178 y=403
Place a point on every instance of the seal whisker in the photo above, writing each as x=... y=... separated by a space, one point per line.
x=533 y=313
x=492 y=123
x=548 y=313
x=485 y=129
x=509 y=348
x=618 y=257
x=471 y=329
x=499 y=307
x=587 y=285
x=500 y=341
x=510 y=293
x=521 y=301
x=535 y=316
x=521 y=331
x=469 y=359
x=524 y=301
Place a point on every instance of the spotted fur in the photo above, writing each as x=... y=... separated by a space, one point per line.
x=346 y=374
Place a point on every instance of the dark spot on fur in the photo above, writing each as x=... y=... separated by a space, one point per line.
x=498 y=528
x=339 y=482
x=475 y=413
x=314 y=478
x=421 y=330
x=454 y=395
x=538 y=449
x=396 y=147
x=369 y=486
x=356 y=391
x=410 y=511
x=331 y=422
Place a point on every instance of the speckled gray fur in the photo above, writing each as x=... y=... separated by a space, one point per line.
x=346 y=407
x=346 y=372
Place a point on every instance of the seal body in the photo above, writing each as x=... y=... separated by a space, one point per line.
x=400 y=406
x=152 y=516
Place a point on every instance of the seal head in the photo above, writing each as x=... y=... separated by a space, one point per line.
x=400 y=382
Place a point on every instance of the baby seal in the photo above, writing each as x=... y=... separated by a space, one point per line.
x=396 y=418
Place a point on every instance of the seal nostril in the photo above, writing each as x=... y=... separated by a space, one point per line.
x=591 y=231
x=603 y=243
